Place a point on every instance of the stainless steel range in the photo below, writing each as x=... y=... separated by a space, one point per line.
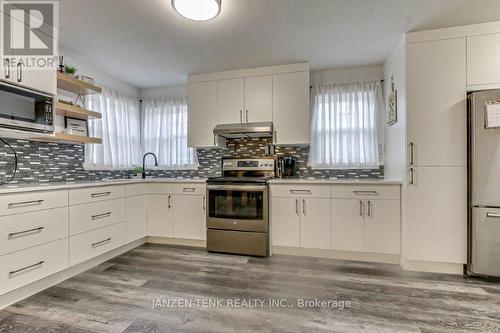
x=238 y=207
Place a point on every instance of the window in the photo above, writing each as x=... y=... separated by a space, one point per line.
x=344 y=132
x=119 y=129
x=165 y=133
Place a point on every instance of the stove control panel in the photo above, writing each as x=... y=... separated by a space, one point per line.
x=248 y=164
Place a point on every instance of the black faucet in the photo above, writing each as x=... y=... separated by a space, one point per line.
x=144 y=164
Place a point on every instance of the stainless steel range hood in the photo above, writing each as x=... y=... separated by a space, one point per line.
x=244 y=130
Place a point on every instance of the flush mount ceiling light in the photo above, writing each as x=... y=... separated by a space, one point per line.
x=197 y=10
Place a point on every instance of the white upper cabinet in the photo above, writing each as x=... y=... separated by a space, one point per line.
x=436 y=103
x=231 y=101
x=44 y=80
x=202 y=113
x=483 y=59
x=291 y=118
x=258 y=99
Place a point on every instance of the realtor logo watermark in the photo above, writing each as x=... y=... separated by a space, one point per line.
x=29 y=34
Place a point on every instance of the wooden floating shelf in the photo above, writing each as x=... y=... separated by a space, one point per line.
x=75 y=112
x=59 y=136
x=79 y=87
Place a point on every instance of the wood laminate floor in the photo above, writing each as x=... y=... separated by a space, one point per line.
x=118 y=296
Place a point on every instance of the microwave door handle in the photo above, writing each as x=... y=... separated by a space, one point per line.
x=7 y=68
x=20 y=72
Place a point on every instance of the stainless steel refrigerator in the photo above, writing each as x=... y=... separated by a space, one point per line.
x=484 y=183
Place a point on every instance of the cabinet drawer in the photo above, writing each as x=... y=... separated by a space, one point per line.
x=302 y=191
x=94 y=194
x=87 y=217
x=32 y=201
x=366 y=192
x=22 y=231
x=96 y=242
x=136 y=189
x=20 y=268
x=188 y=189
x=164 y=188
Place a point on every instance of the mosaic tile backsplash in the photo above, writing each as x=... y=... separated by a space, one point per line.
x=57 y=162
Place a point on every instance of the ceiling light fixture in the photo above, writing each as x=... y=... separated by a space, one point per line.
x=197 y=10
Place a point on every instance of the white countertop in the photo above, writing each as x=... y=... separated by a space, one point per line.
x=6 y=189
x=347 y=181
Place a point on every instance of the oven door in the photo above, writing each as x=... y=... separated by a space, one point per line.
x=238 y=207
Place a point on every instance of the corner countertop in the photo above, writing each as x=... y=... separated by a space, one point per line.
x=346 y=181
x=7 y=189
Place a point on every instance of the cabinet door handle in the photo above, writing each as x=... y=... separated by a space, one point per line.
x=412 y=150
x=365 y=192
x=7 y=68
x=241 y=116
x=412 y=176
x=247 y=115
x=20 y=72
x=101 y=243
x=169 y=205
x=101 y=216
x=493 y=215
x=369 y=208
x=204 y=204
x=275 y=136
x=188 y=189
x=297 y=207
x=304 y=206
x=24 y=233
x=361 y=208
x=25 y=203
x=24 y=269
x=99 y=195
x=300 y=191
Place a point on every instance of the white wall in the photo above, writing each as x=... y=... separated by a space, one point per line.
x=101 y=78
x=365 y=73
x=395 y=135
x=172 y=91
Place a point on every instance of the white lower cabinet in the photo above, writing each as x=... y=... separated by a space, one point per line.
x=23 y=267
x=96 y=242
x=136 y=212
x=189 y=216
x=285 y=222
x=315 y=225
x=348 y=230
x=383 y=227
x=159 y=215
x=95 y=215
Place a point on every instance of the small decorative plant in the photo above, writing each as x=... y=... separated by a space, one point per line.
x=70 y=70
x=137 y=171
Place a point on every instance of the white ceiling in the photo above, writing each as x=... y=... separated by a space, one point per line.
x=145 y=43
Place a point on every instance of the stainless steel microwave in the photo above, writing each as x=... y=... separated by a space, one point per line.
x=25 y=109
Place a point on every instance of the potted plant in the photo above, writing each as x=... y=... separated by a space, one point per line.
x=70 y=70
x=137 y=171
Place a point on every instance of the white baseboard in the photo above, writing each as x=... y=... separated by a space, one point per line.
x=432 y=267
x=334 y=254
x=177 y=241
x=37 y=286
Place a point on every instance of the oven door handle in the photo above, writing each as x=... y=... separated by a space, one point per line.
x=237 y=187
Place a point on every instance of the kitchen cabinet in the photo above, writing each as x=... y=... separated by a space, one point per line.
x=483 y=59
x=137 y=217
x=44 y=80
x=202 y=113
x=259 y=98
x=231 y=101
x=244 y=100
x=291 y=117
x=189 y=216
x=436 y=103
x=285 y=222
x=315 y=225
x=160 y=215
x=436 y=214
x=347 y=225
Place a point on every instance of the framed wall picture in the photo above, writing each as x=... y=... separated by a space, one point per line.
x=392 y=105
x=75 y=126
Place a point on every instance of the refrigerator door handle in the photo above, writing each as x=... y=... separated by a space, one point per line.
x=493 y=215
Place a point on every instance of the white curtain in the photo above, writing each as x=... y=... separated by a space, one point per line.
x=119 y=130
x=164 y=133
x=344 y=125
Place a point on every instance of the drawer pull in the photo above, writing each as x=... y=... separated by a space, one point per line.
x=101 y=216
x=103 y=242
x=300 y=191
x=493 y=215
x=25 y=233
x=99 y=195
x=188 y=189
x=25 y=269
x=25 y=203
x=365 y=192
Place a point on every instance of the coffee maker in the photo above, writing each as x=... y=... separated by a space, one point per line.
x=287 y=167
